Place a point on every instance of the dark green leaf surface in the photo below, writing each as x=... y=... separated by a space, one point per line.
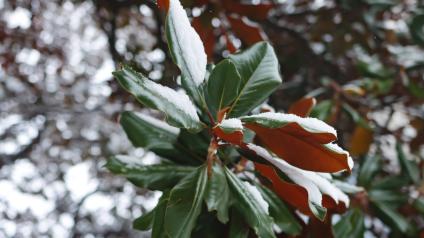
x=393 y=218
x=408 y=167
x=144 y=222
x=259 y=71
x=178 y=108
x=238 y=227
x=185 y=204
x=368 y=170
x=218 y=193
x=246 y=205
x=283 y=217
x=153 y=177
x=223 y=86
x=159 y=218
x=351 y=225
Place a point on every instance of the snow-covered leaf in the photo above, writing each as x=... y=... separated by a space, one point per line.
x=153 y=177
x=186 y=48
x=303 y=106
x=302 y=142
x=179 y=110
x=250 y=206
x=230 y=130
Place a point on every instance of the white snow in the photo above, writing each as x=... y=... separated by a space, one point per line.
x=159 y=124
x=314 y=184
x=232 y=124
x=191 y=46
x=130 y=161
x=179 y=99
x=336 y=148
x=310 y=124
x=257 y=196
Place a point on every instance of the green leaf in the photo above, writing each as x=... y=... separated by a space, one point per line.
x=145 y=221
x=179 y=110
x=153 y=177
x=390 y=183
x=322 y=110
x=347 y=187
x=186 y=50
x=208 y=226
x=185 y=204
x=356 y=117
x=368 y=170
x=223 y=86
x=394 y=198
x=318 y=211
x=417 y=29
x=351 y=225
x=218 y=193
x=247 y=206
x=238 y=227
x=408 y=167
x=159 y=218
x=393 y=218
x=419 y=204
x=283 y=217
x=259 y=71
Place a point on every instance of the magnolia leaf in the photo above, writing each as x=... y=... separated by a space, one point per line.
x=351 y=225
x=393 y=218
x=186 y=49
x=322 y=110
x=417 y=29
x=238 y=226
x=159 y=217
x=223 y=86
x=230 y=130
x=360 y=141
x=144 y=222
x=249 y=32
x=247 y=205
x=258 y=11
x=217 y=195
x=179 y=110
x=388 y=197
x=302 y=142
x=409 y=168
x=303 y=107
x=283 y=217
x=368 y=170
x=153 y=177
x=185 y=204
x=356 y=117
x=259 y=71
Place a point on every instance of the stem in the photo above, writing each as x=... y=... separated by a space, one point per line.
x=212 y=149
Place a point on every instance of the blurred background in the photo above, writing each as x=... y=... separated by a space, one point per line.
x=59 y=105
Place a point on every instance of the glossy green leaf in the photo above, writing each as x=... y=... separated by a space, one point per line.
x=178 y=108
x=395 y=198
x=218 y=193
x=144 y=222
x=390 y=183
x=153 y=177
x=246 y=205
x=368 y=170
x=186 y=49
x=409 y=168
x=322 y=110
x=417 y=29
x=185 y=204
x=238 y=226
x=283 y=217
x=393 y=218
x=208 y=226
x=259 y=71
x=159 y=218
x=223 y=86
x=351 y=225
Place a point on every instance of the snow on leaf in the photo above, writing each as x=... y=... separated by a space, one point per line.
x=231 y=125
x=187 y=47
x=314 y=184
x=257 y=196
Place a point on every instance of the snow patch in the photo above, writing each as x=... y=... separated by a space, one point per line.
x=159 y=124
x=336 y=148
x=232 y=124
x=309 y=123
x=257 y=196
x=314 y=183
x=192 y=48
x=129 y=161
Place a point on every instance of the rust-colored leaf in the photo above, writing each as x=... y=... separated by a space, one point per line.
x=302 y=148
x=255 y=12
x=206 y=33
x=248 y=32
x=361 y=141
x=303 y=106
x=163 y=4
x=235 y=138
